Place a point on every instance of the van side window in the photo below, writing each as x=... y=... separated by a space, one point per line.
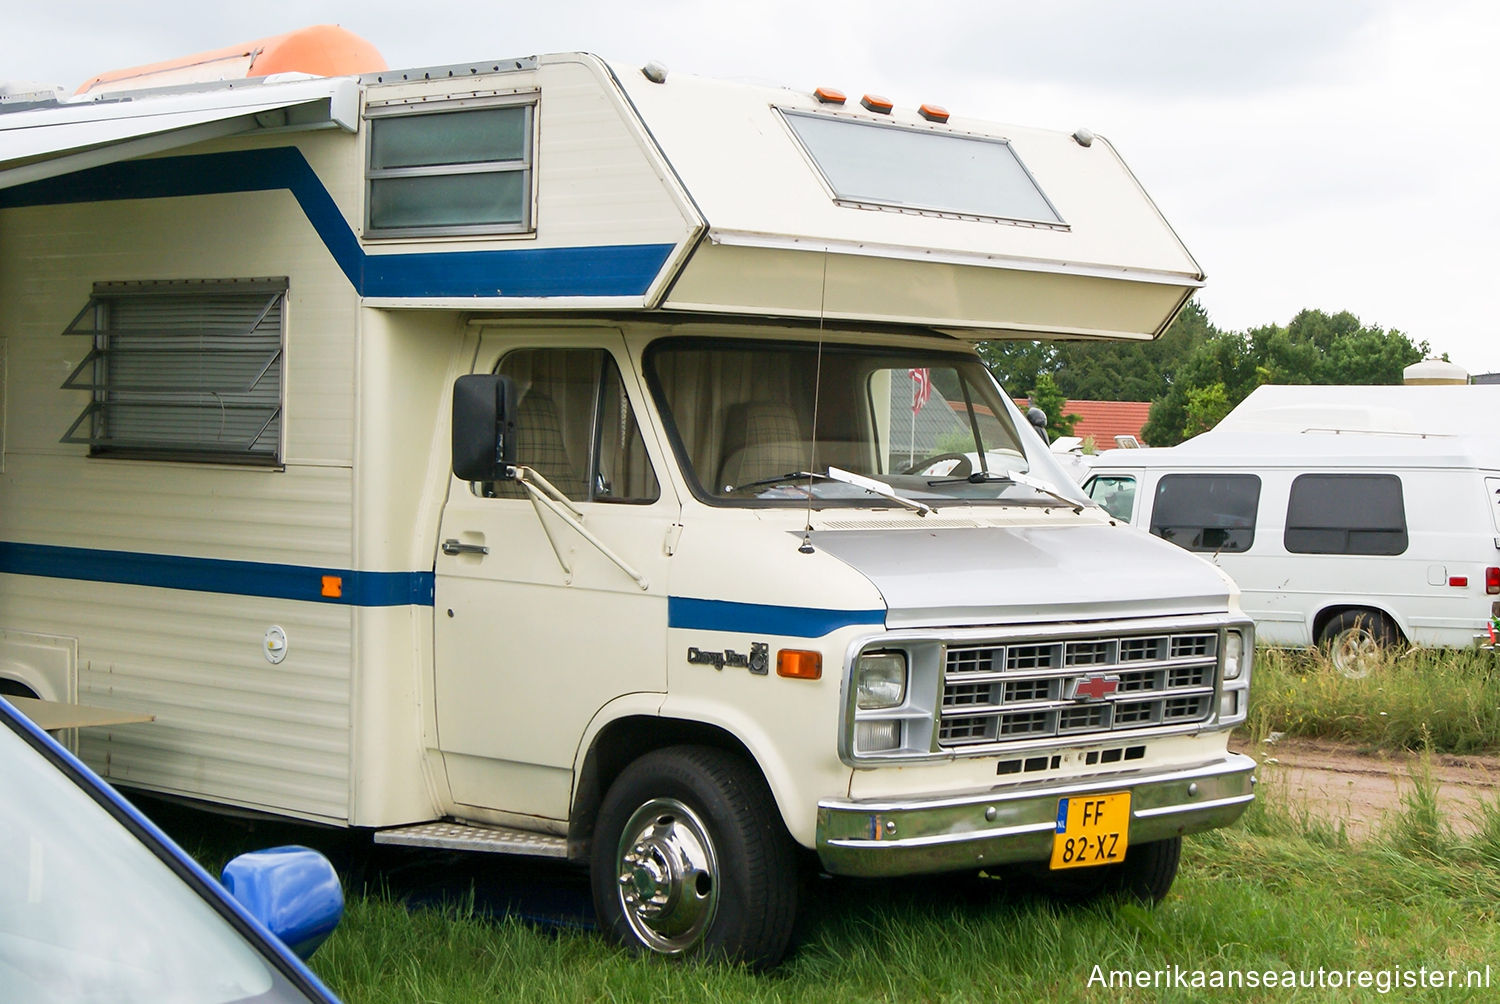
x=1207 y=512
x=575 y=427
x=1346 y=514
x=1115 y=493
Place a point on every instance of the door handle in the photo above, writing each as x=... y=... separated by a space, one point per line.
x=451 y=546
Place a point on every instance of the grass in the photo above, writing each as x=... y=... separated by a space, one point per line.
x=1273 y=894
x=1281 y=891
x=1445 y=701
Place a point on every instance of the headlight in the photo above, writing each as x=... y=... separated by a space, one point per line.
x=1233 y=649
x=880 y=680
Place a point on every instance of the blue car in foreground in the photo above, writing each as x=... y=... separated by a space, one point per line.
x=97 y=904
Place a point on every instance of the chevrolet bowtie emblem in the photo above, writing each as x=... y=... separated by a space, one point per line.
x=1093 y=688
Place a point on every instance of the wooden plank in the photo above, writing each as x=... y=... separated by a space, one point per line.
x=54 y=715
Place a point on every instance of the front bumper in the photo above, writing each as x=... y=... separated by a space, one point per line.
x=880 y=837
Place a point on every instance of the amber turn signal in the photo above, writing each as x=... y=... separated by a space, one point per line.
x=799 y=665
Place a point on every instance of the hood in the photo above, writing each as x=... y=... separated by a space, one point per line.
x=1009 y=575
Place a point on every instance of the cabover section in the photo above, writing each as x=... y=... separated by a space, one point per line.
x=841 y=210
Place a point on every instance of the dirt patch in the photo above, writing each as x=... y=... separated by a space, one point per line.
x=1360 y=789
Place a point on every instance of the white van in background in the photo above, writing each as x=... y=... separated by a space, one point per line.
x=1353 y=517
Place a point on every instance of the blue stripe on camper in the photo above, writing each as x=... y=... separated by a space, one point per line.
x=609 y=270
x=216 y=575
x=759 y=618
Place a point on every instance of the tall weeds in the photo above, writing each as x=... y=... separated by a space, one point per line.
x=1447 y=701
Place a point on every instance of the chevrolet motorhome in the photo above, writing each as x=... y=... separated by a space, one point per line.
x=726 y=549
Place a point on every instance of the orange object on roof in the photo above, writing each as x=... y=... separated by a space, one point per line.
x=324 y=50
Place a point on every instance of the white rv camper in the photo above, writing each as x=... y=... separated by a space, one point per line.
x=1355 y=517
x=725 y=549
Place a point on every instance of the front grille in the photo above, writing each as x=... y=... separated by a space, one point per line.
x=1032 y=689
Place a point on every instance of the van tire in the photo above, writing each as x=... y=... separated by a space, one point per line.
x=1355 y=641
x=691 y=860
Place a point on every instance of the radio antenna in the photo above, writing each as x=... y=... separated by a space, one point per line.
x=806 y=546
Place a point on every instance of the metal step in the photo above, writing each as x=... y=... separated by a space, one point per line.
x=465 y=837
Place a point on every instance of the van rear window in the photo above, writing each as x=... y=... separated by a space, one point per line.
x=1206 y=512
x=1346 y=514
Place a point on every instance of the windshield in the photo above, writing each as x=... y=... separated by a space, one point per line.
x=89 y=913
x=910 y=424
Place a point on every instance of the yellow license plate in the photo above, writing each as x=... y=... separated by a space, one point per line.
x=1091 y=830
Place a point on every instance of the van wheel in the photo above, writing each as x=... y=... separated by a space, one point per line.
x=690 y=860
x=1356 y=640
x=1146 y=875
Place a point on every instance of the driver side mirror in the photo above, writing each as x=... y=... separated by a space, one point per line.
x=484 y=427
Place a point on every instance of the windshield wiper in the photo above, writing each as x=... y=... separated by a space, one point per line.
x=776 y=480
x=1014 y=478
x=874 y=487
x=870 y=485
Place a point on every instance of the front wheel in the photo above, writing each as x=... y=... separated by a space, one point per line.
x=690 y=859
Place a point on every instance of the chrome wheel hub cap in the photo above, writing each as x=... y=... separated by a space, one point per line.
x=1355 y=654
x=668 y=876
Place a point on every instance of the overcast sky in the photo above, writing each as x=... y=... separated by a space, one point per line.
x=1310 y=153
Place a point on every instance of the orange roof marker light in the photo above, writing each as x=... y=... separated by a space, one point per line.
x=323 y=50
x=933 y=113
x=830 y=96
x=880 y=106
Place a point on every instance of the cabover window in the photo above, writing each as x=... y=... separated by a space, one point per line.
x=1346 y=514
x=872 y=165
x=182 y=370
x=449 y=169
x=1207 y=512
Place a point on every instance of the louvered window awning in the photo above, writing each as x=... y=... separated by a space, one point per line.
x=182 y=370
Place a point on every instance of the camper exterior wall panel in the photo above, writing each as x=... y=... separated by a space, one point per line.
x=230 y=726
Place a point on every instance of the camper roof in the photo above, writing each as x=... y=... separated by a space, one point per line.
x=1048 y=235
x=1451 y=410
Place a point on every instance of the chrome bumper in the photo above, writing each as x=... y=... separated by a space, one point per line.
x=883 y=837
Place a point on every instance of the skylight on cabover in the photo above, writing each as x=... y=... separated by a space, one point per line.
x=876 y=166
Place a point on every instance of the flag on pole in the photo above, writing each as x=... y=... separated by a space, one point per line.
x=921 y=388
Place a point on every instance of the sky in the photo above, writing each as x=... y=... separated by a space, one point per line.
x=1329 y=154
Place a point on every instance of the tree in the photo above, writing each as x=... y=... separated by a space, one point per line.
x=1131 y=371
x=1314 y=348
x=1017 y=364
x=1046 y=396
x=1206 y=406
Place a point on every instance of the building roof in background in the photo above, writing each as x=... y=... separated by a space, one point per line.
x=1104 y=420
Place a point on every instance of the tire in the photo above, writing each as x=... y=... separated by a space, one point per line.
x=1355 y=641
x=1148 y=871
x=1146 y=876
x=690 y=860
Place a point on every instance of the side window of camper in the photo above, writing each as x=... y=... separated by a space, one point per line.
x=1115 y=493
x=575 y=427
x=1207 y=512
x=435 y=170
x=1346 y=514
x=181 y=370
